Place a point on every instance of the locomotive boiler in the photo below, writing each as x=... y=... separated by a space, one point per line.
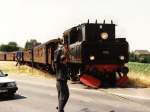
x=96 y=55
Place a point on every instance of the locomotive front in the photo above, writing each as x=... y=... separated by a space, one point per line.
x=101 y=46
x=94 y=51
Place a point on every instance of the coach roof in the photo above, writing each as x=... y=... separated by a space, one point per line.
x=47 y=43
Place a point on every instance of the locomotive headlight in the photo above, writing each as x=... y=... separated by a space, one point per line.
x=121 y=57
x=104 y=35
x=92 y=58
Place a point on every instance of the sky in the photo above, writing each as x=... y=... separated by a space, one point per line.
x=43 y=20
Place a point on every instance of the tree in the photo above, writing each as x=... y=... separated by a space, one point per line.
x=132 y=57
x=10 y=47
x=32 y=43
x=13 y=44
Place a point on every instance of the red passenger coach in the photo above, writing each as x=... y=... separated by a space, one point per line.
x=10 y=56
x=43 y=55
x=2 y=56
x=28 y=56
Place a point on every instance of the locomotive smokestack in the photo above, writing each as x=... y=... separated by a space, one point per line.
x=104 y=22
x=88 y=21
x=111 y=21
x=96 y=21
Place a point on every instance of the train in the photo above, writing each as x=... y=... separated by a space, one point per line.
x=95 y=56
x=7 y=56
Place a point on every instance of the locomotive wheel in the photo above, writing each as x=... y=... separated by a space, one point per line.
x=112 y=79
x=108 y=79
x=73 y=74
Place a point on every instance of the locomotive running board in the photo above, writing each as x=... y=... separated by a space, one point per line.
x=90 y=81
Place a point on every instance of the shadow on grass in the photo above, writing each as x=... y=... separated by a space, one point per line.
x=10 y=98
x=137 y=83
x=132 y=83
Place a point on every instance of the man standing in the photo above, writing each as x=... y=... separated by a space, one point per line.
x=62 y=77
x=19 y=57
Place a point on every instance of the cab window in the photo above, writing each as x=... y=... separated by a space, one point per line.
x=75 y=35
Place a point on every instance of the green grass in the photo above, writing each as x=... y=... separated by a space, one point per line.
x=139 y=68
x=139 y=74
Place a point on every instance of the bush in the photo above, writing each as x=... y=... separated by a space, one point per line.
x=136 y=58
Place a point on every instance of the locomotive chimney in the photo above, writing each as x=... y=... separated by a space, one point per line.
x=88 y=21
x=111 y=21
x=104 y=22
x=96 y=21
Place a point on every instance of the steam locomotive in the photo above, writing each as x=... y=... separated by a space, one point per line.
x=94 y=51
x=95 y=56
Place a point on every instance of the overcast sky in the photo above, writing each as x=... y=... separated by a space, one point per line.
x=22 y=20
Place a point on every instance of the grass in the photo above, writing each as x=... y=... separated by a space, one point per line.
x=139 y=74
x=141 y=68
x=10 y=67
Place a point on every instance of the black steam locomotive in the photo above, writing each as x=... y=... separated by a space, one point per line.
x=94 y=51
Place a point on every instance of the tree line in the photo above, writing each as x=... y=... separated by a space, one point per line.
x=139 y=58
x=13 y=46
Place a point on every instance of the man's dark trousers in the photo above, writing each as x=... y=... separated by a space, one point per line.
x=63 y=94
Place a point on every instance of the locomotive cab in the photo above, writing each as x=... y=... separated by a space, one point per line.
x=89 y=32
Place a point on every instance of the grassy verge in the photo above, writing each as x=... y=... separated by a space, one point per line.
x=10 y=67
x=139 y=74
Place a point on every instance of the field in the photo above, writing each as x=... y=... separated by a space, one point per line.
x=10 y=67
x=139 y=74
